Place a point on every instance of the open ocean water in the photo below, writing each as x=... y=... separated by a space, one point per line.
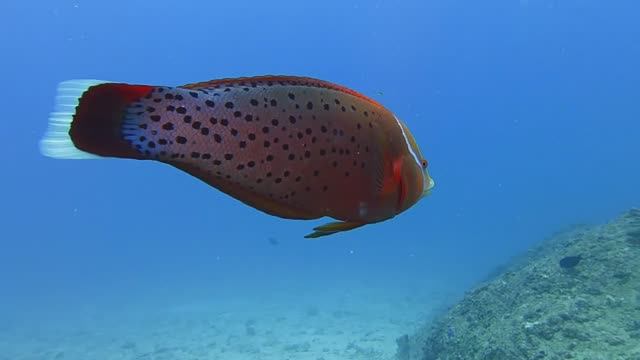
x=527 y=111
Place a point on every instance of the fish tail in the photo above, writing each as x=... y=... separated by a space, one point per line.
x=89 y=119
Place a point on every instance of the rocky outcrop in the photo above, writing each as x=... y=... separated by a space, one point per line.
x=575 y=296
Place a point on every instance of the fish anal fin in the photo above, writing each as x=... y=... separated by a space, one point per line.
x=332 y=228
x=255 y=200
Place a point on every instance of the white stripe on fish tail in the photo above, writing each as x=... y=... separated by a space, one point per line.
x=406 y=140
x=56 y=142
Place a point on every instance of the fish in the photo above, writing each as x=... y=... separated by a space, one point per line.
x=293 y=147
x=570 y=261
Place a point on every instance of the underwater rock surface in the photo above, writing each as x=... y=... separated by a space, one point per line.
x=574 y=296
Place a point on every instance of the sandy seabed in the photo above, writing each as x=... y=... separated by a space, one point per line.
x=344 y=324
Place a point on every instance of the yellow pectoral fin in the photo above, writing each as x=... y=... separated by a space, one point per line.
x=332 y=228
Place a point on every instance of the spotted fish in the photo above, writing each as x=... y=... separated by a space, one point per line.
x=293 y=147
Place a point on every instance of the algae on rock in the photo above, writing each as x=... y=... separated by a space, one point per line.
x=537 y=309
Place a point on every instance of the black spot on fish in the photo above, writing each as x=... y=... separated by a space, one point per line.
x=228 y=105
x=217 y=138
x=224 y=122
x=273 y=103
x=252 y=136
x=181 y=110
x=248 y=117
x=234 y=132
x=168 y=126
x=310 y=105
x=237 y=114
x=228 y=156
x=187 y=119
x=181 y=139
x=193 y=94
x=292 y=119
x=195 y=155
x=210 y=103
x=570 y=261
x=171 y=108
x=213 y=121
x=204 y=131
x=292 y=96
x=179 y=97
x=196 y=125
x=254 y=102
x=168 y=96
x=274 y=122
x=155 y=118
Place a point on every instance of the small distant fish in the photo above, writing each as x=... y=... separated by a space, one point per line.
x=273 y=241
x=293 y=147
x=570 y=261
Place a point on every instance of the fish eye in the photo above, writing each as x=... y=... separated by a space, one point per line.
x=424 y=163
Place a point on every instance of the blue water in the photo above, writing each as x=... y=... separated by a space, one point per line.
x=526 y=110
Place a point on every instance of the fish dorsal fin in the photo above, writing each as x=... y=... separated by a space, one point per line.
x=257 y=201
x=270 y=80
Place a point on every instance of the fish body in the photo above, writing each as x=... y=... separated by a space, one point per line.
x=570 y=262
x=293 y=147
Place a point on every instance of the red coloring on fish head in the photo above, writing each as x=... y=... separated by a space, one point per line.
x=399 y=182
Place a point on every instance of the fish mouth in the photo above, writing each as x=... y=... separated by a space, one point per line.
x=428 y=187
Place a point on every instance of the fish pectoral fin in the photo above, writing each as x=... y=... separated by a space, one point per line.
x=332 y=228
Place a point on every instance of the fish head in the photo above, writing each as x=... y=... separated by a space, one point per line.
x=413 y=177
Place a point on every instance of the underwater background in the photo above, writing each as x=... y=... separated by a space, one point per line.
x=527 y=111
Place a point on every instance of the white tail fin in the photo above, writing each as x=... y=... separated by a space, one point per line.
x=56 y=142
